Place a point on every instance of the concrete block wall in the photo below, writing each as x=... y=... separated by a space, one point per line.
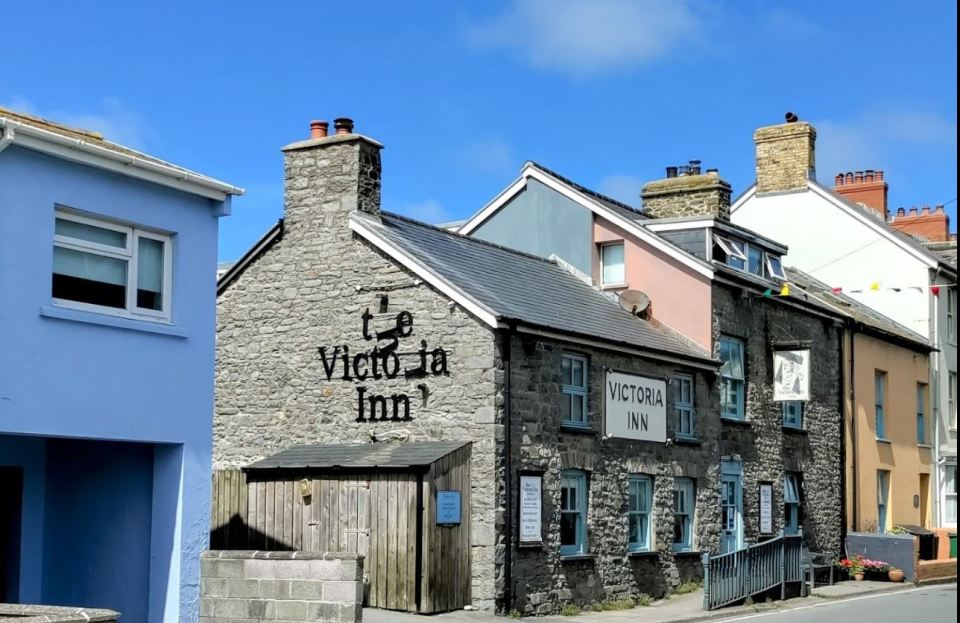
x=247 y=586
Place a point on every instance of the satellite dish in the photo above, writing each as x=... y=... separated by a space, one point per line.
x=634 y=301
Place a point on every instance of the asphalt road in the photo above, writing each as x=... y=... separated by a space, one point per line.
x=932 y=604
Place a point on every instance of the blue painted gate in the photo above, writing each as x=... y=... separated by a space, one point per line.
x=732 y=577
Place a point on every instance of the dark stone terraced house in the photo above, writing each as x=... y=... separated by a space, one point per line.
x=347 y=324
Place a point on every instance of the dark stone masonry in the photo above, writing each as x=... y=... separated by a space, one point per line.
x=288 y=318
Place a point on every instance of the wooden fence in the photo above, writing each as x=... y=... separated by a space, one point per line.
x=733 y=577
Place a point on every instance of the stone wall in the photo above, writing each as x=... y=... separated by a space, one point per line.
x=310 y=290
x=242 y=586
x=764 y=446
x=543 y=582
x=687 y=195
x=29 y=613
x=785 y=156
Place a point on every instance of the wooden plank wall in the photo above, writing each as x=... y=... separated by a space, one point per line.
x=391 y=564
x=228 y=529
x=446 y=550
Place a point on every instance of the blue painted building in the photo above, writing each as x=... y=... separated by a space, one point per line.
x=107 y=322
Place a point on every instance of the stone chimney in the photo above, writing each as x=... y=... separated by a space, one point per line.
x=326 y=177
x=785 y=155
x=931 y=225
x=864 y=187
x=687 y=192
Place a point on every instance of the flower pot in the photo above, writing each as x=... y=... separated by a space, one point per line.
x=858 y=577
x=895 y=575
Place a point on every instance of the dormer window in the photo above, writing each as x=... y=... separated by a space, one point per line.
x=733 y=250
x=755 y=260
x=749 y=258
x=775 y=267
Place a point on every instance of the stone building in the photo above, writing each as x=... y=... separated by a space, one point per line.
x=723 y=287
x=348 y=324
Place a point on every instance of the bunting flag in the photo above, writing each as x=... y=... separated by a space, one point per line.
x=875 y=286
x=785 y=290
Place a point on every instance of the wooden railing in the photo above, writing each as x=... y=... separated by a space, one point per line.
x=733 y=577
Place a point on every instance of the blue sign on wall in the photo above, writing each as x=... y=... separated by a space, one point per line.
x=448 y=507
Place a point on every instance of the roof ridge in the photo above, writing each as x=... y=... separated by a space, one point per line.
x=471 y=239
x=4 y=111
x=585 y=190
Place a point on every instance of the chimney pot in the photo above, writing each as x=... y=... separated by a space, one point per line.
x=868 y=175
x=695 y=167
x=901 y=212
x=791 y=117
x=938 y=209
x=713 y=171
x=318 y=129
x=838 y=180
x=848 y=178
x=879 y=175
x=671 y=172
x=925 y=210
x=343 y=125
x=858 y=177
x=913 y=210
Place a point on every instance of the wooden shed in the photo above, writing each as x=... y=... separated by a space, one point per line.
x=404 y=506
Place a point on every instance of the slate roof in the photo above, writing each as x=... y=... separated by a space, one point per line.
x=856 y=310
x=531 y=290
x=625 y=210
x=946 y=251
x=396 y=455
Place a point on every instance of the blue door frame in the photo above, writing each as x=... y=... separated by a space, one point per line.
x=731 y=506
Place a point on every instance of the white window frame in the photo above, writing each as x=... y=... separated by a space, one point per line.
x=952 y=400
x=129 y=254
x=622 y=282
x=777 y=274
x=948 y=494
x=883 y=499
x=575 y=390
x=643 y=514
x=733 y=250
x=951 y=314
x=680 y=408
x=684 y=489
x=760 y=263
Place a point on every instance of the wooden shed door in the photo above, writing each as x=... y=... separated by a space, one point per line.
x=355 y=515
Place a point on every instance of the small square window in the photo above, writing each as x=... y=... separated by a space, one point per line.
x=793 y=413
x=573 y=386
x=612 y=271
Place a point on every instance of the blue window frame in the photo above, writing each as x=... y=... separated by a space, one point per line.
x=573 y=512
x=639 y=503
x=683 y=412
x=921 y=413
x=683 y=509
x=791 y=503
x=573 y=384
x=793 y=413
x=731 y=378
x=879 y=392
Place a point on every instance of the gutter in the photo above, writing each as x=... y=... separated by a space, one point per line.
x=35 y=138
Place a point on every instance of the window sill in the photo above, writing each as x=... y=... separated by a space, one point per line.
x=644 y=553
x=530 y=545
x=613 y=286
x=130 y=324
x=577 y=430
x=734 y=421
x=687 y=441
x=925 y=446
x=686 y=553
x=576 y=557
x=794 y=430
x=884 y=440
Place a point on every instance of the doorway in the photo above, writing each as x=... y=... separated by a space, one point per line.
x=924 y=500
x=11 y=507
x=731 y=506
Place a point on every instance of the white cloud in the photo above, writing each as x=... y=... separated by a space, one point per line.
x=874 y=138
x=429 y=211
x=491 y=155
x=588 y=37
x=110 y=117
x=625 y=188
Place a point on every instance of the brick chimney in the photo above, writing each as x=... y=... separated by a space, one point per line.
x=864 y=187
x=785 y=155
x=687 y=192
x=326 y=177
x=932 y=225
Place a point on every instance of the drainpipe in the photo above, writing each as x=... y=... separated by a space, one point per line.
x=855 y=473
x=842 y=339
x=507 y=346
x=934 y=383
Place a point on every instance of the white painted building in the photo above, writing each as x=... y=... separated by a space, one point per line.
x=850 y=245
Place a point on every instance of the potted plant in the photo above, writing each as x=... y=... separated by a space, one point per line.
x=853 y=566
x=895 y=575
x=875 y=569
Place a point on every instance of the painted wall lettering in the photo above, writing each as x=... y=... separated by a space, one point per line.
x=383 y=361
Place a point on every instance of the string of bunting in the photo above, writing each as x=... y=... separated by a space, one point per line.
x=874 y=287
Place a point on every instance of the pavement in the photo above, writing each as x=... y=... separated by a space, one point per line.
x=689 y=608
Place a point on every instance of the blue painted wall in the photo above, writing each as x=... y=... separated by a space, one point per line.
x=543 y=222
x=69 y=378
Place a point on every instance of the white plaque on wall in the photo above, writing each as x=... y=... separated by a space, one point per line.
x=531 y=491
x=766 y=508
x=791 y=375
x=635 y=407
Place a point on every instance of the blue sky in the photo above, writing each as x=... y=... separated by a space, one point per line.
x=607 y=92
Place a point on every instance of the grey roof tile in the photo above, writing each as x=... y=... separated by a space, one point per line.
x=526 y=288
x=346 y=456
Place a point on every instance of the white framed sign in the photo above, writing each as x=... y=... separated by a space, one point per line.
x=531 y=509
x=791 y=375
x=635 y=407
x=766 y=508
